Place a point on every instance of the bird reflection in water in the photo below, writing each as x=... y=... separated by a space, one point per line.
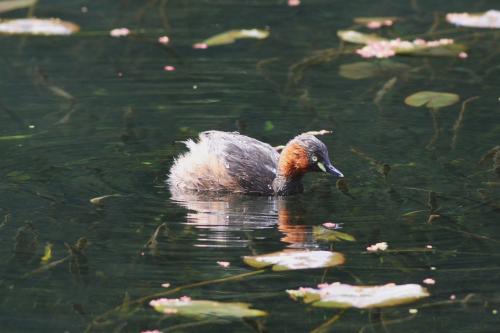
x=233 y=220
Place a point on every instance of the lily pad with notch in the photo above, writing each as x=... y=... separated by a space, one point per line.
x=291 y=259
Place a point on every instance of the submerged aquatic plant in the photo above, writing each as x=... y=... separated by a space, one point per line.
x=434 y=101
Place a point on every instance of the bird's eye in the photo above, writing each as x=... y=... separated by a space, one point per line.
x=314 y=158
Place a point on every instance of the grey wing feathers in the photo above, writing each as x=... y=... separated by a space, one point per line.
x=253 y=163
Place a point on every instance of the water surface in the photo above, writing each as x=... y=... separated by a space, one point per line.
x=122 y=129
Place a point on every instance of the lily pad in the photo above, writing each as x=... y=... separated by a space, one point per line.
x=364 y=69
x=231 y=36
x=35 y=26
x=295 y=259
x=432 y=99
x=184 y=306
x=489 y=19
x=379 y=21
x=355 y=37
x=338 y=295
x=8 y=5
x=325 y=234
x=449 y=50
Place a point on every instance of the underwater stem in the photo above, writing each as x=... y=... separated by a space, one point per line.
x=435 y=125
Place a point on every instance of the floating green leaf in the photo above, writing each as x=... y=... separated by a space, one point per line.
x=8 y=5
x=295 y=259
x=184 y=306
x=15 y=137
x=231 y=36
x=338 y=295
x=355 y=37
x=322 y=233
x=449 y=50
x=365 y=69
x=432 y=99
x=34 y=26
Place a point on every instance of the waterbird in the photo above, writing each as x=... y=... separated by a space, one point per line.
x=235 y=163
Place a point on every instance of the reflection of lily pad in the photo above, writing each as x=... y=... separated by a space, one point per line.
x=184 y=306
x=338 y=295
x=231 y=36
x=355 y=37
x=432 y=99
x=295 y=259
x=322 y=233
x=34 y=26
x=364 y=69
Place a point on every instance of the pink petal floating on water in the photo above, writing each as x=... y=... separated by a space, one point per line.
x=185 y=299
x=169 y=68
x=153 y=331
x=200 y=46
x=163 y=40
x=374 y=25
x=429 y=246
x=224 y=264
x=453 y=297
x=165 y=285
x=463 y=55
x=381 y=49
x=429 y=281
x=293 y=3
x=377 y=247
x=388 y=48
x=331 y=225
x=119 y=32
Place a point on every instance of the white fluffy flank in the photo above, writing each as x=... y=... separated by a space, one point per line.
x=201 y=169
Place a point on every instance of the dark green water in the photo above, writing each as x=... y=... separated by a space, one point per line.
x=119 y=136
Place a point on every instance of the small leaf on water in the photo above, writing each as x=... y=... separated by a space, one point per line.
x=8 y=5
x=432 y=99
x=295 y=259
x=99 y=200
x=184 y=306
x=15 y=137
x=231 y=36
x=376 y=22
x=47 y=253
x=325 y=234
x=365 y=69
x=34 y=26
x=338 y=295
x=355 y=37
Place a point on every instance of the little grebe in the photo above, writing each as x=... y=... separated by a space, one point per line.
x=231 y=162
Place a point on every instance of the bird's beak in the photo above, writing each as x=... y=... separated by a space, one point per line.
x=329 y=168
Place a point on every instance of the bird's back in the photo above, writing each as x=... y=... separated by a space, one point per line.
x=226 y=162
